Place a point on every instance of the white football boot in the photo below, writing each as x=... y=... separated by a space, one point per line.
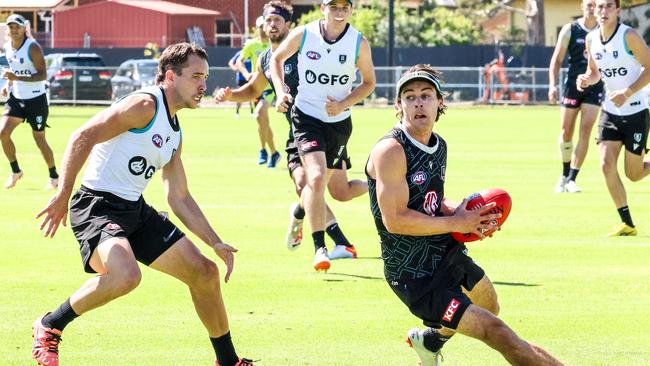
x=415 y=339
x=571 y=187
x=321 y=260
x=13 y=178
x=52 y=183
x=560 y=187
x=343 y=252
x=293 y=237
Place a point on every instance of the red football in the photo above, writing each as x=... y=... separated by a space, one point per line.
x=482 y=198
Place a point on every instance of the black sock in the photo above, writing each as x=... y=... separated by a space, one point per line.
x=319 y=239
x=61 y=317
x=299 y=212
x=626 y=217
x=53 y=173
x=14 y=166
x=334 y=231
x=566 y=168
x=225 y=351
x=573 y=174
x=433 y=341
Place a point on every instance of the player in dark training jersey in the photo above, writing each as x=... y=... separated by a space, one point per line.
x=571 y=41
x=425 y=267
x=277 y=18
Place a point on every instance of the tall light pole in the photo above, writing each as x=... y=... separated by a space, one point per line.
x=245 y=22
x=390 y=49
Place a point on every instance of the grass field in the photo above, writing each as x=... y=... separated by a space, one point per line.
x=561 y=283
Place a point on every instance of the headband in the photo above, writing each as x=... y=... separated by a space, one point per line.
x=277 y=11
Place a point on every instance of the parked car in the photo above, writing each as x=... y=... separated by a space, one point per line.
x=4 y=64
x=133 y=75
x=83 y=73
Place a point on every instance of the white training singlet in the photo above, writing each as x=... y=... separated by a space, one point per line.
x=124 y=164
x=21 y=64
x=618 y=68
x=326 y=69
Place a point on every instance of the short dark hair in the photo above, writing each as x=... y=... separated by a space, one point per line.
x=280 y=5
x=432 y=74
x=175 y=58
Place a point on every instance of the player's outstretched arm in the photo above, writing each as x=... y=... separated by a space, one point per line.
x=388 y=165
x=188 y=211
x=563 y=40
x=287 y=48
x=592 y=75
x=132 y=112
x=641 y=52
x=252 y=89
x=368 y=81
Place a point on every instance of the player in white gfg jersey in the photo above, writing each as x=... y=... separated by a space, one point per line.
x=331 y=52
x=115 y=227
x=619 y=56
x=27 y=100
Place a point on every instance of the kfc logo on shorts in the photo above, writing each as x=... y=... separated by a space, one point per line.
x=430 y=204
x=451 y=310
x=568 y=101
x=157 y=140
x=308 y=145
x=419 y=177
x=113 y=227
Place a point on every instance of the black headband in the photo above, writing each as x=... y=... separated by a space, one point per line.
x=277 y=11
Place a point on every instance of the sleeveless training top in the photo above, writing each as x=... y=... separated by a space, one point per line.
x=125 y=164
x=408 y=257
x=618 y=69
x=326 y=69
x=576 y=51
x=21 y=64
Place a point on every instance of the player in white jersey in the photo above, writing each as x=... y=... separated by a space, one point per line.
x=125 y=145
x=27 y=100
x=331 y=52
x=619 y=56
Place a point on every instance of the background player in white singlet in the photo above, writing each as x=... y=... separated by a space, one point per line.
x=125 y=144
x=27 y=100
x=618 y=55
x=331 y=51
x=571 y=41
x=277 y=21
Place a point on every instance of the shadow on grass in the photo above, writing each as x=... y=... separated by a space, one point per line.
x=350 y=275
x=521 y=284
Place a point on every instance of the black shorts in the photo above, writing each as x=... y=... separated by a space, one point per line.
x=293 y=157
x=573 y=98
x=439 y=300
x=312 y=134
x=34 y=110
x=632 y=130
x=96 y=216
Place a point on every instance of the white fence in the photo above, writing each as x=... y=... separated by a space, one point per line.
x=465 y=84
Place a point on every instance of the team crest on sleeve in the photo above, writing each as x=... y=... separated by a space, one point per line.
x=419 y=177
x=343 y=58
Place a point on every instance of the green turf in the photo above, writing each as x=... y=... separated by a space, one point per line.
x=562 y=283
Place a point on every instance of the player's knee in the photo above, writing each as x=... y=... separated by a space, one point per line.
x=5 y=134
x=316 y=181
x=127 y=280
x=206 y=274
x=633 y=175
x=340 y=192
x=608 y=166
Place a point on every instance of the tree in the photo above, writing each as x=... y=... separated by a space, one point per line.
x=427 y=26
